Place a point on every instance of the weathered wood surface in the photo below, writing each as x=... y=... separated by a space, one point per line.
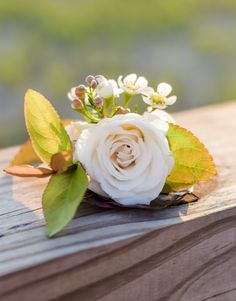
x=180 y=253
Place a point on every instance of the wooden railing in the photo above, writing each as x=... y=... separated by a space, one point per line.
x=186 y=252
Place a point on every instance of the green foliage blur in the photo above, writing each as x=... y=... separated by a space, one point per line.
x=52 y=45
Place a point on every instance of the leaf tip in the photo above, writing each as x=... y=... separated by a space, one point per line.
x=28 y=93
x=51 y=232
x=5 y=169
x=31 y=94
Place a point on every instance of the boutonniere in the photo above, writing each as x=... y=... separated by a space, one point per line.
x=127 y=159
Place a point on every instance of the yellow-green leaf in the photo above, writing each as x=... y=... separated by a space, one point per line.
x=62 y=197
x=45 y=128
x=193 y=163
x=26 y=153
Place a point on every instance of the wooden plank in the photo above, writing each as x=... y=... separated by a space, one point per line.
x=180 y=253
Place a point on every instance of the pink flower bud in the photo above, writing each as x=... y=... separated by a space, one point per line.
x=80 y=92
x=98 y=101
x=81 y=89
x=89 y=79
x=77 y=104
x=93 y=84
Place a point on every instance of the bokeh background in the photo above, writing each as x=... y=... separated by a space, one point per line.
x=52 y=45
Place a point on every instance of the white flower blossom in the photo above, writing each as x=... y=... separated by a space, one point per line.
x=127 y=157
x=158 y=99
x=159 y=115
x=107 y=88
x=132 y=84
x=75 y=128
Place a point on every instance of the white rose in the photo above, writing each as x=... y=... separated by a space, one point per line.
x=127 y=157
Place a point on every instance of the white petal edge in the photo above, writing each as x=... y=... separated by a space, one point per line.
x=164 y=89
x=130 y=78
x=171 y=100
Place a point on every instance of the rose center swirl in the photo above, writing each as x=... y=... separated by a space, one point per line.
x=124 y=149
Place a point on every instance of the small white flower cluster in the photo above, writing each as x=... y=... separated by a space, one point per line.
x=98 y=99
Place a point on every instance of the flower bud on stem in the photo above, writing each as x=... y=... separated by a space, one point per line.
x=77 y=104
x=80 y=89
x=98 y=101
x=80 y=106
x=93 y=84
x=80 y=92
x=89 y=79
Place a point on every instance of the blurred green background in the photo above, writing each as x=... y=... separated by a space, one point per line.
x=52 y=45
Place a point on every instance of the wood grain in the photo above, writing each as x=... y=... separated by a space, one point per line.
x=186 y=252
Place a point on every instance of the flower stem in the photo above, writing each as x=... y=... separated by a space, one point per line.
x=109 y=106
x=127 y=99
x=91 y=117
x=98 y=110
x=87 y=115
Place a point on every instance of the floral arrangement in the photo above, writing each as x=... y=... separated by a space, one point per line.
x=127 y=159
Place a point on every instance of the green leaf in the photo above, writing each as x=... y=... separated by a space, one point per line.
x=46 y=131
x=62 y=197
x=193 y=163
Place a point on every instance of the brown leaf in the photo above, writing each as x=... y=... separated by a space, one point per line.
x=28 y=171
x=162 y=201
x=25 y=155
x=61 y=161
